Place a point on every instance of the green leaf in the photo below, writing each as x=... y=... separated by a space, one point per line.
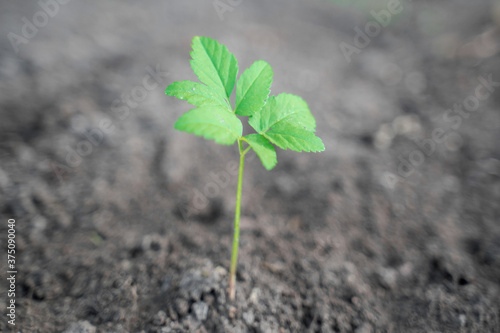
x=196 y=93
x=286 y=135
x=211 y=122
x=214 y=64
x=286 y=121
x=253 y=88
x=263 y=149
x=283 y=108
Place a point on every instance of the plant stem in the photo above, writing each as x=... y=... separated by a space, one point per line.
x=236 y=237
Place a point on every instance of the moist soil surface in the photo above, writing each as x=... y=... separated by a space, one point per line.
x=125 y=225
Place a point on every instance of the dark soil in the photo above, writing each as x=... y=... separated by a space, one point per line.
x=354 y=239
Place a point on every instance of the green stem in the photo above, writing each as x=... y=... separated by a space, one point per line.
x=236 y=237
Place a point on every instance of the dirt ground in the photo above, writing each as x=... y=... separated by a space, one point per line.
x=125 y=225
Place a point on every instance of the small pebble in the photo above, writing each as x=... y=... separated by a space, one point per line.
x=81 y=327
x=249 y=317
x=462 y=319
x=232 y=312
x=159 y=318
x=182 y=306
x=200 y=310
x=254 y=296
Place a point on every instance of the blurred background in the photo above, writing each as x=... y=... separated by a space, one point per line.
x=125 y=225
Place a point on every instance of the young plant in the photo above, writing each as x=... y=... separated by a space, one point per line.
x=283 y=120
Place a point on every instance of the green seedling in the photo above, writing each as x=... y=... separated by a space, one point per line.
x=284 y=120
